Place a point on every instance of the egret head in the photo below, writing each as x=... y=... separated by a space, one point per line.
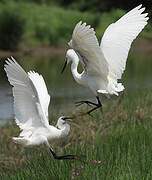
x=62 y=121
x=70 y=55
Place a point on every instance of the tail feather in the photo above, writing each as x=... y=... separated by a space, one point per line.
x=20 y=140
x=119 y=87
x=113 y=89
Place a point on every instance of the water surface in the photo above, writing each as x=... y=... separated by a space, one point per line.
x=62 y=87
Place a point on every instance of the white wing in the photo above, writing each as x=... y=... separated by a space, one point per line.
x=29 y=106
x=117 y=39
x=39 y=84
x=85 y=43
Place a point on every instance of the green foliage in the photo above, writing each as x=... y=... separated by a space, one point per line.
x=64 y=25
x=48 y=25
x=91 y=5
x=52 y=25
x=38 y=1
x=106 y=19
x=81 y=5
x=11 y=27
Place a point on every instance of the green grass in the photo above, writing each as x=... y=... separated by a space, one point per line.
x=120 y=137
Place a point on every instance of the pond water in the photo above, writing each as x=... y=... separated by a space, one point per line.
x=62 y=87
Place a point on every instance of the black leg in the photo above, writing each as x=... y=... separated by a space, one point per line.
x=98 y=105
x=79 y=103
x=70 y=157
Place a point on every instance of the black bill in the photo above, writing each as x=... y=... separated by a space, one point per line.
x=64 y=66
x=67 y=118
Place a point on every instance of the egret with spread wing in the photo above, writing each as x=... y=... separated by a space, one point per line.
x=31 y=101
x=104 y=64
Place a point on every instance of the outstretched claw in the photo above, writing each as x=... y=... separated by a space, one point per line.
x=66 y=157
x=98 y=105
x=89 y=112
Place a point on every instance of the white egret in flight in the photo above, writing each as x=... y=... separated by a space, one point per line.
x=104 y=64
x=31 y=101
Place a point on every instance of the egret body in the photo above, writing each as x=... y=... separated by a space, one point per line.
x=104 y=64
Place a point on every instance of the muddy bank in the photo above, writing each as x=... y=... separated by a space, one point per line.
x=35 y=51
x=46 y=51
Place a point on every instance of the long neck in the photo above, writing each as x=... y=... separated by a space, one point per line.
x=58 y=132
x=74 y=69
x=65 y=130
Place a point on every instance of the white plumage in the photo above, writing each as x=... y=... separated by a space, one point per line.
x=31 y=101
x=117 y=39
x=104 y=64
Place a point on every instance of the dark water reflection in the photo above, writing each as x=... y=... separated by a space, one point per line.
x=62 y=87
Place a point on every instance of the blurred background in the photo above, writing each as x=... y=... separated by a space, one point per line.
x=36 y=33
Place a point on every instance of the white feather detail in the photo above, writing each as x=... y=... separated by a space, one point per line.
x=117 y=39
x=27 y=97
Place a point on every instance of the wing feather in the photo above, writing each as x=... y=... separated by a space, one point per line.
x=29 y=112
x=117 y=39
x=86 y=45
x=41 y=89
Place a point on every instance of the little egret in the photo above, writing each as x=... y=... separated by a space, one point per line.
x=104 y=64
x=31 y=101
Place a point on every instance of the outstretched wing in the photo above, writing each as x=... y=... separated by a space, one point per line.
x=41 y=90
x=117 y=39
x=86 y=45
x=29 y=93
